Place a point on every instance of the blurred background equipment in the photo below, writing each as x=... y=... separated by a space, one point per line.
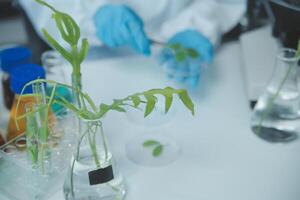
x=264 y=19
x=269 y=25
x=16 y=29
x=286 y=20
x=10 y=59
x=283 y=15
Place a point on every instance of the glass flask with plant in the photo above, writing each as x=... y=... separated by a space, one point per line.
x=93 y=173
x=276 y=115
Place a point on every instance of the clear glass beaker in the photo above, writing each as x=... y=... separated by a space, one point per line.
x=93 y=174
x=276 y=116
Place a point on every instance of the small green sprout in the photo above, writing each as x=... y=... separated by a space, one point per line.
x=181 y=53
x=157 y=147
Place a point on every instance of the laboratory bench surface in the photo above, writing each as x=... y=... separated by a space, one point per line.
x=220 y=159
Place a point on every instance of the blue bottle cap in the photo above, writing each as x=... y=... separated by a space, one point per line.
x=21 y=75
x=12 y=57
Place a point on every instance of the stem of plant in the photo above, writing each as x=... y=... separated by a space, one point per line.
x=104 y=142
x=76 y=83
x=272 y=100
x=92 y=143
x=42 y=158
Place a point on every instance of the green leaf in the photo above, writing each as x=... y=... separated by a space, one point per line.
x=180 y=56
x=75 y=28
x=118 y=108
x=46 y=4
x=168 y=93
x=84 y=50
x=151 y=100
x=175 y=47
x=150 y=143
x=192 y=53
x=57 y=46
x=168 y=102
x=157 y=151
x=183 y=95
x=61 y=27
x=90 y=101
x=53 y=92
x=104 y=108
x=136 y=100
x=67 y=27
x=118 y=102
x=72 y=27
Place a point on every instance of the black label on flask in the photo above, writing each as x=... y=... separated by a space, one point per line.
x=102 y=175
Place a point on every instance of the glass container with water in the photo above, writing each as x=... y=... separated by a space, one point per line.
x=93 y=174
x=276 y=116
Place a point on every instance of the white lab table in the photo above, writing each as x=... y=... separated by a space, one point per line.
x=221 y=159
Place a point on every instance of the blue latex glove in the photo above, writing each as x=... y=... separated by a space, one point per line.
x=187 y=71
x=118 y=25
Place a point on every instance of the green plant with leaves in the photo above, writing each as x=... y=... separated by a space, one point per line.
x=70 y=32
x=274 y=97
x=37 y=133
x=84 y=107
x=37 y=123
x=181 y=53
x=94 y=112
x=149 y=98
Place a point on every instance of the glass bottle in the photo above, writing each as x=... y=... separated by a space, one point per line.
x=93 y=174
x=276 y=116
x=53 y=63
x=11 y=58
x=20 y=76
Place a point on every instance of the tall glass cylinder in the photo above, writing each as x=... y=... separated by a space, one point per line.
x=276 y=116
x=93 y=173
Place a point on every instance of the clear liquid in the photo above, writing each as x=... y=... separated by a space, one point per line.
x=279 y=122
x=112 y=190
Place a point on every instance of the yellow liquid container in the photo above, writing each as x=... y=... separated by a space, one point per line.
x=12 y=129
x=20 y=76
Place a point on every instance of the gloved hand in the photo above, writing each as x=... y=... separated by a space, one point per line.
x=118 y=25
x=186 y=70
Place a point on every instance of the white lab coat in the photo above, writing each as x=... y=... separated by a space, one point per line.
x=162 y=18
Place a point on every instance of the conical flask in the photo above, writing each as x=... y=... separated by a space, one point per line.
x=276 y=116
x=93 y=174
